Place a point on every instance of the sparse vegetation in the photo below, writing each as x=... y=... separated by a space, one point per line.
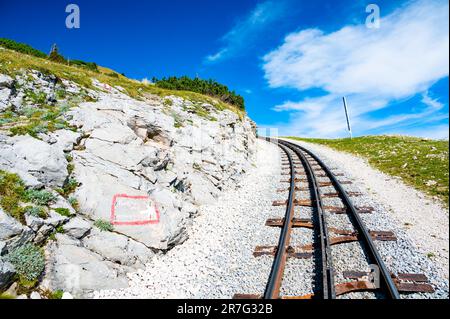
x=33 y=121
x=103 y=225
x=421 y=163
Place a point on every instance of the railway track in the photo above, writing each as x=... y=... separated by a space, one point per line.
x=308 y=174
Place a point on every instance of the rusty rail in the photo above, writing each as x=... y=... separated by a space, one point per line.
x=273 y=286
x=326 y=264
x=372 y=253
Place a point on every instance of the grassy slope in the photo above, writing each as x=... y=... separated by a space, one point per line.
x=12 y=62
x=416 y=161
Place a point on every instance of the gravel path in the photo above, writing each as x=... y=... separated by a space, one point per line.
x=421 y=225
x=216 y=261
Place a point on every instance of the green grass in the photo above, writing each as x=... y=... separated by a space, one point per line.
x=421 y=163
x=12 y=193
x=15 y=199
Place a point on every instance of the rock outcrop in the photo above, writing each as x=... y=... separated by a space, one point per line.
x=142 y=166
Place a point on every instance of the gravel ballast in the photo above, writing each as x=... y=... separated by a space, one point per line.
x=419 y=223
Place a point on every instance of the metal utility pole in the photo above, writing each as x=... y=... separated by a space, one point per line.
x=348 y=119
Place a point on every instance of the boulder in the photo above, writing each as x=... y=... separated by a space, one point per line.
x=77 y=270
x=54 y=219
x=5 y=94
x=7 y=272
x=43 y=233
x=6 y=81
x=118 y=248
x=77 y=227
x=202 y=190
x=27 y=235
x=34 y=222
x=35 y=295
x=129 y=157
x=115 y=134
x=66 y=139
x=66 y=295
x=45 y=162
x=9 y=227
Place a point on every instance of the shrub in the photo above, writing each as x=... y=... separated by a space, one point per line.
x=103 y=225
x=21 y=47
x=28 y=260
x=39 y=197
x=207 y=87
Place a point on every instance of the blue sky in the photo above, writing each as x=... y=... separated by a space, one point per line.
x=292 y=60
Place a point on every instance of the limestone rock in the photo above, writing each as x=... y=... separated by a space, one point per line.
x=65 y=139
x=9 y=227
x=37 y=158
x=35 y=295
x=6 y=81
x=77 y=270
x=118 y=248
x=77 y=227
x=7 y=272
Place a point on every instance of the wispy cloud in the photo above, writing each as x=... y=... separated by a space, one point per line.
x=373 y=67
x=246 y=31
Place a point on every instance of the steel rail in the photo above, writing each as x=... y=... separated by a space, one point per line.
x=326 y=264
x=372 y=253
x=273 y=286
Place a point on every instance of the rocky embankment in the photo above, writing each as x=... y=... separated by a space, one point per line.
x=109 y=180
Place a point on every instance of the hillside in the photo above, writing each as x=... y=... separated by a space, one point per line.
x=99 y=173
x=421 y=163
x=12 y=62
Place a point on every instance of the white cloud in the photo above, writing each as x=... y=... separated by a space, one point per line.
x=245 y=31
x=373 y=67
